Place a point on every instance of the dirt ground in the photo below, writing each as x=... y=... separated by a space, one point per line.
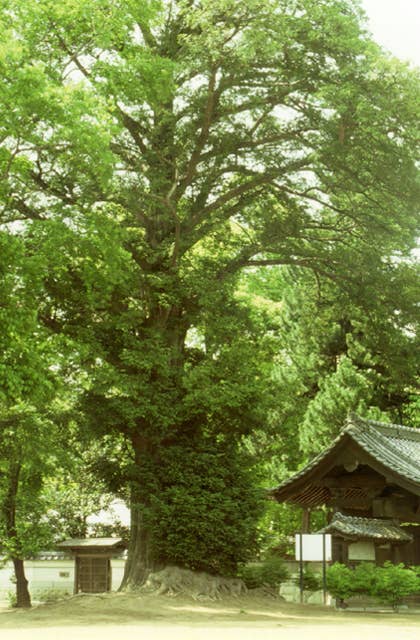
x=148 y=617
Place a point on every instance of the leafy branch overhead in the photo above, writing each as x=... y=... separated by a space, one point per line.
x=184 y=119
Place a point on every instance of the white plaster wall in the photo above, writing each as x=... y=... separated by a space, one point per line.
x=362 y=550
x=117 y=567
x=45 y=574
x=6 y=573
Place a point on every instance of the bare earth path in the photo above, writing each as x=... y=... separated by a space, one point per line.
x=130 y=617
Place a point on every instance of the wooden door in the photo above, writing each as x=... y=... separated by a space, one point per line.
x=339 y=550
x=93 y=574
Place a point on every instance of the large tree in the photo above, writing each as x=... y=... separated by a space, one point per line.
x=29 y=436
x=152 y=150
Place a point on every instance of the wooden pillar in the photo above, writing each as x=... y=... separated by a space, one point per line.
x=76 y=575
x=306 y=520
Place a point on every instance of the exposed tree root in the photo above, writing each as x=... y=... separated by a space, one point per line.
x=197 y=584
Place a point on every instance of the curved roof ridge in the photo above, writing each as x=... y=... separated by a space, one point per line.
x=374 y=528
x=313 y=462
x=357 y=421
x=379 y=442
x=389 y=444
x=339 y=515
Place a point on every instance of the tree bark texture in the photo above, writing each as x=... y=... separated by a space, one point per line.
x=139 y=561
x=23 y=598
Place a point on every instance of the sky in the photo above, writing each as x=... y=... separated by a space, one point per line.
x=395 y=24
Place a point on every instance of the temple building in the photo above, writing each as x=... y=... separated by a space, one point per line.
x=369 y=479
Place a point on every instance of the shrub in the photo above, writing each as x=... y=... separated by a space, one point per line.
x=270 y=573
x=273 y=571
x=394 y=583
x=340 y=581
x=12 y=599
x=416 y=570
x=311 y=582
x=251 y=575
x=365 y=578
x=51 y=595
x=390 y=583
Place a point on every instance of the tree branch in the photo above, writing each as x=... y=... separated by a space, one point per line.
x=148 y=37
x=307 y=263
x=231 y=194
x=47 y=188
x=73 y=55
x=208 y=114
x=133 y=127
x=20 y=205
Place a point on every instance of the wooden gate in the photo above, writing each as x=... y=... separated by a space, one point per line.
x=93 y=574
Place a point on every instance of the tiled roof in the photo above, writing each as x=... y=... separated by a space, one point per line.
x=90 y=542
x=51 y=555
x=393 y=446
x=374 y=528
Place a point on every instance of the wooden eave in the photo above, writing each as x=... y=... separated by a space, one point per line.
x=305 y=487
x=92 y=545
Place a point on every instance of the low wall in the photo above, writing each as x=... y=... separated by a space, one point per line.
x=58 y=575
x=290 y=591
x=314 y=567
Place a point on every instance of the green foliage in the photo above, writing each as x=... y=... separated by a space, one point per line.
x=365 y=578
x=28 y=454
x=151 y=152
x=340 y=581
x=70 y=499
x=311 y=581
x=31 y=414
x=390 y=583
x=273 y=571
x=338 y=352
x=251 y=575
x=50 y=595
x=12 y=598
x=277 y=527
x=416 y=569
x=204 y=515
x=269 y=573
x=395 y=582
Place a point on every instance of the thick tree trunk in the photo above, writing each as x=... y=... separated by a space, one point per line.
x=23 y=598
x=139 y=561
x=147 y=442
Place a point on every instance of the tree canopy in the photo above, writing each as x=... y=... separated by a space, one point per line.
x=153 y=151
